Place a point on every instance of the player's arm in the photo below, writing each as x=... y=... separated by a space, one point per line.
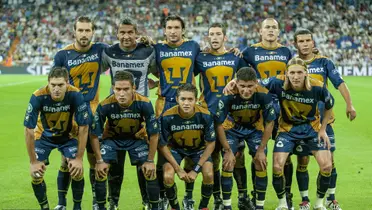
x=328 y=100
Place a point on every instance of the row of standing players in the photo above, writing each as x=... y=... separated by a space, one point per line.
x=175 y=62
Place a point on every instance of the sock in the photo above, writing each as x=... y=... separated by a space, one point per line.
x=332 y=185
x=171 y=192
x=283 y=202
x=253 y=175
x=323 y=183
x=63 y=181
x=302 y=176
x=260 y=204
x=77 y=186
x=101 y=192
x=189 y=187
x=279 y=184
x=227 y=184
x=39 y=187
x=206 y=192
x=152 y=188
x=142 y=184
x=92 y=179
x=217 y=184
x=115 y=178
x=288 y=173
x=159 y=175
x=240 y=176
x=261 y=186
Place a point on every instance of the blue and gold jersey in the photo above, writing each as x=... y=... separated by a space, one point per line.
x=56 y=116
x=216 y=70
x=120 y=123
x=252 y=113
x=299 y=108
x=84 y=68
x=188 y=134
x=268 y=62
x=175 y=66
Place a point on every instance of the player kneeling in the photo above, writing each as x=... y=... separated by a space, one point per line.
x=118 y=118
x=299 y=124
x=187 y=131
x=57 y=104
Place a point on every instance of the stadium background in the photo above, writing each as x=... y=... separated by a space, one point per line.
x=32 y=31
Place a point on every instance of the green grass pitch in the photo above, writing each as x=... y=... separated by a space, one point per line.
x=353 y=154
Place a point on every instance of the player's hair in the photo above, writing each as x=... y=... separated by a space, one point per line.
x=300 y=62
x=174 y=17
x=123 y=76
x=128 y=21
x=187 y=87
x=58 y=72
x=246 y=74
x=84 y=19
x=302 y=31
x=218 y=25
x=270 y=19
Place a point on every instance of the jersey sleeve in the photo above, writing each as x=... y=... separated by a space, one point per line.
x=246 y=55
x=333 y=74
x=150 y=118
x=270 y=84
x=81 y=110
x=32 y=112
x=209 y=130
x=268 y=108
x=222 y=109
x=98 y=121
x=105 y=61
x=326 y=97
x=58 y=59
x=197 y=69
x=242 y=63
x=290 y=55
x=165 y=133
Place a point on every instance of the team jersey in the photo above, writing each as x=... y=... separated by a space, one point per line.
x=299 y=108
x=84 y=68
x=322 y=69
x=216 y=70
x=115 y=122
x=268 y=62
x=188 y=134
x=250 y=113
x=175 y=66
x=136 y=62
x=56 y=116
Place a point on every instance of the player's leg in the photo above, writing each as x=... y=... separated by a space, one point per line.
x=115 y=178
x=188 y=202
x=240 y=175
x=170 y=185
x=207 y=184
x=216 y=160
x=302 y=176
x=288 y=174
x=63 y=182
x=92 y=172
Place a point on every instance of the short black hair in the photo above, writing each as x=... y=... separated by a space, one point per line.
x=302 y=31
x=123 y=76
x=58 y=72
x=174 y=17
x=187 y=87
x=84 y=19
x=218 y=25
x=246 y=74
x=128 y=21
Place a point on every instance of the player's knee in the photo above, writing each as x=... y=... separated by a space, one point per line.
x=277 y=167
x=208 y=173
x=303 y=160
x=101 y=178
x=37 y=180
x=326 y=167
x=168 y=174
x=257 y=166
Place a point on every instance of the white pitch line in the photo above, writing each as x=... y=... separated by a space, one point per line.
x=19 y=83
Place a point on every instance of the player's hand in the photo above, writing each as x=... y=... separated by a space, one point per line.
x=152 y=84
x=236 y=52
x=148 y=169
x=228 y=160
x=142 y=134
x=192 y=176
x=322 y=135
x=230 y=88
x=101 y=169
x=146 y=40
x=260 y=158
x=350 y=112
x=75 y=167
x=182 y=175
x=37 y=169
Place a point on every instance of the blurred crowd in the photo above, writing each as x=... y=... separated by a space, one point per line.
x=342 y=29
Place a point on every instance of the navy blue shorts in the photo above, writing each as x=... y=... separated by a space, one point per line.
x=44 y=147
x=194 y=156
x=302 y=147
x=138 y=150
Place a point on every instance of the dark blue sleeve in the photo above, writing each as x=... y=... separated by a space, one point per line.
x=326 y=97
x=223 y=108
x=268 y=109
x=32 y=112
x=290 y=56
x=81 y=110
x=333 y=74
x=246 y=55
x=150 y=119
x=270 y=84
x=98 y=121
x=209 y=130
x=58 y=59
x=242 y=63
x=197 y=69
x=165 y=133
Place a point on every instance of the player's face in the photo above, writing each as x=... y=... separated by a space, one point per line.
x=83 y=33
x=124 y=92
x=304 y=44
x=296 y=75
x=173 y=31
x=186 y=100
x=216 y=38
x=127 y=36
x=246 y=88
x=269 y=30
x=57 y=87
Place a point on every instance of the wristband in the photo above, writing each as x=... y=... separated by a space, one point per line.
x=197 y=168
x=150 y=161
x=100 y=161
